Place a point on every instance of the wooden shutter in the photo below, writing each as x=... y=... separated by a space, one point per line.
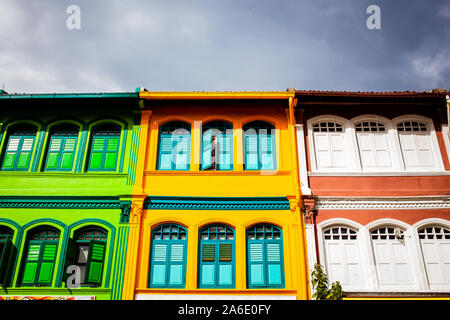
x=267 y=152
x=182 y=148
x=274 y=268
x=32 y=262
x=343 y=262
x=159 y=264
x=70 y=257
x=18 y=153
x=165 y=152
x=208 y=265
x=112 y=151
x=68 y=153
x=392 y=263
x=25 y=153
x=97 y=152
x=436 y=254
x=206 y=150
x=5 y=250
x=177 y=259
x=374 y=149
x=47 y=264
x=256 y=264
x=96 y=258
x=225 y=143
x=251 y=152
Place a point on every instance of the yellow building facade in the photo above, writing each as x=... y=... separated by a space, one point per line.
x=216 y=205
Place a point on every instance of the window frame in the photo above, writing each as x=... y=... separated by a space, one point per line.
x=187 y=136
x=269 y=127
x=10 y=133
x=104 y=151
x=227 y=134
x=64 y=137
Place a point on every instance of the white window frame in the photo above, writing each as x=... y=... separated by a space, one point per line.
x=352 y=153
x=430 y=222
x=348 y=144
x=438 y=163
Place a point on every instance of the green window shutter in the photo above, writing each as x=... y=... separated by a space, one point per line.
x=96 y=257
x=47 y=263
x=206 y=150
x=70 y=257
x=68 y=153
x=32 y=262
x=267 y=144
x=209 y=252
x=165 y=152
x=5 y=250
x=61 y=153
x=225 y=142
x=251 y=152
x=18 y=153
x=104 y=153
x=112 y=151
x=225 y=252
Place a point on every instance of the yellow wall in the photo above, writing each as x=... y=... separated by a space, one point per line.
x=164 y=107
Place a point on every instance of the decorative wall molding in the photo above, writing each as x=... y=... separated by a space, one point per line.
x=309 y=209
x=193 y=203
x=328 y=203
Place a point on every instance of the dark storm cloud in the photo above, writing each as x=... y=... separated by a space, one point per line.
x=223 y=45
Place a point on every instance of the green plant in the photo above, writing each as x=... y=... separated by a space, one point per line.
x=320 y=285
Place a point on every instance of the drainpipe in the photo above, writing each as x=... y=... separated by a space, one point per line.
x=448 y=113
x=303 y=282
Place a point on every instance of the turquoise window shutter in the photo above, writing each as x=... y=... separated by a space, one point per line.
x=165 y=152
x=225 y=143
x=251 y=152
x=174 y=146
x=206 y=150
x=182 y=148
x=216 y=260
x=267 y=151
x=168 y=257
x=265 y=257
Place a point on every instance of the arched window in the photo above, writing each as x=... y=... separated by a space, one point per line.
x=174 y=146
x=265 y=267
x=18 y=151
x=61 y=147
x=329 y=144
x=87 y=251
x=435 y=243
x=391 y=257
x=168 y=257
x=415 y=143
x=104 y=150
x=342 y=256
x=217 y=146
x=373 y=145
x=259 y=146
x=6 y=236
x=216 y=265
x=40 y=256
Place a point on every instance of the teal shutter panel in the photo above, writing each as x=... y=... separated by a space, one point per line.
x=5 y=250
x=47 y=263
x=176 y=264
x=274 y=263
x=251 y=152
x=208 y=264
x=182 y=148
x=225 y=143
x=159 y=264
x=96 y=257
x=165 y=152
x=206 y=150
x=256 y=263
x=267 y=151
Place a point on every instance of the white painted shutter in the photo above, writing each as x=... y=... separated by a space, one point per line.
x=416 y=149
x=436 y=254
x=374 y=150
x=343 y=262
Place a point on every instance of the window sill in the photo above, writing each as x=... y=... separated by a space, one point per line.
x=378 y=174
x=62 y=174
x=215 y=291
x=217 y=173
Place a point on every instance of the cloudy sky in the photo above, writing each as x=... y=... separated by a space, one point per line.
x=223 y=45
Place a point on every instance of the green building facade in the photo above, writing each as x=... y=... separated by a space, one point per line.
x=67 y=168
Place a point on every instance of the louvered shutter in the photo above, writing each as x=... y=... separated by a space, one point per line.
x=251 y=152
x=274 y=263
x=112 y=150
x=18 y=153
x=176 y=272
x=70 y=257
x=207 y=150
x=5 y=250
x=96 y=257
x=25 y=153
x=225 y=143
x=267 y=151
x=165 y=152
x=182 y=152
x=225 y=267
x=159 y=264
x=11 y=153
x=32 y=262
x=47 y=263
x=53 y=153
x=68 y=152
x=97 y=153
x=256 y=264
x=208 y=264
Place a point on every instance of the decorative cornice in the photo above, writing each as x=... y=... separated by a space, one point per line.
x=191 y=203
x=67 y=203
x=328 y=203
